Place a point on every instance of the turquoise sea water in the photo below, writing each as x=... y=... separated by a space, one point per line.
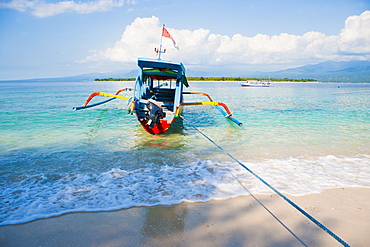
x=301 y=138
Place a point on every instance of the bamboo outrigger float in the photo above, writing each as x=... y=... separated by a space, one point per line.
x=158 y=95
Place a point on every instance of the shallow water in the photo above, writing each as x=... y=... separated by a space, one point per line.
x=300 y=138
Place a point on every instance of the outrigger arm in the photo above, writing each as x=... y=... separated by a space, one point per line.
x=225 y=111
x=113 y=96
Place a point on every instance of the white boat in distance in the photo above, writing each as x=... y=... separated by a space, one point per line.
x=255 y=83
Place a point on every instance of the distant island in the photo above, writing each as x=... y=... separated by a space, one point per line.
x=219 y=79
x=115 y=79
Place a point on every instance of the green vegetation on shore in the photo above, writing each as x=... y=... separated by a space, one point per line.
x=219 y=79
x=115 y=79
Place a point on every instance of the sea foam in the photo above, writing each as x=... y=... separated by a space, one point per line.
x=38 y=196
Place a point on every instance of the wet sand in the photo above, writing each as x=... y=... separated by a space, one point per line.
x=235 y=222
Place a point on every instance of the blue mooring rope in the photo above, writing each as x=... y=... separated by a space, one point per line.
x=275 y=190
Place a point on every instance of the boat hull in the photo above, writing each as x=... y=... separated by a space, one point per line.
x=245 y=85
x=163 y=125
x=159 y=128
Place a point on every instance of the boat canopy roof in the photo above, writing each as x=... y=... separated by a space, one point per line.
x=162 y=70
x=160 y=73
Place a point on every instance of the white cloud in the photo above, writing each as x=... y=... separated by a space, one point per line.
x=355 y=37
x=41 y=9
x=201 y=47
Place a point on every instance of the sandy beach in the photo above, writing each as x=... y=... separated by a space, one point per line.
x=235 y=222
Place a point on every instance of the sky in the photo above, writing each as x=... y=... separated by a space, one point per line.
x=57 y=38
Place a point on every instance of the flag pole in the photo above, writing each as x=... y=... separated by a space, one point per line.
x=160 y=45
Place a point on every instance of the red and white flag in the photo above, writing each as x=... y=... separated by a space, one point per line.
x=166 y=34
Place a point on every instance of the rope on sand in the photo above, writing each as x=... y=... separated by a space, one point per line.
x=275 y=190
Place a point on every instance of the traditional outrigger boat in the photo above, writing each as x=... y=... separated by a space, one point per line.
x=158 y=95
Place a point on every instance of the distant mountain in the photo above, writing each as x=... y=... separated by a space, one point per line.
x=84 y=77
x=330 y=71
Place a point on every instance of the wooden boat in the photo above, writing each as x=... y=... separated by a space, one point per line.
x=255 y=83
x=158 y=95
